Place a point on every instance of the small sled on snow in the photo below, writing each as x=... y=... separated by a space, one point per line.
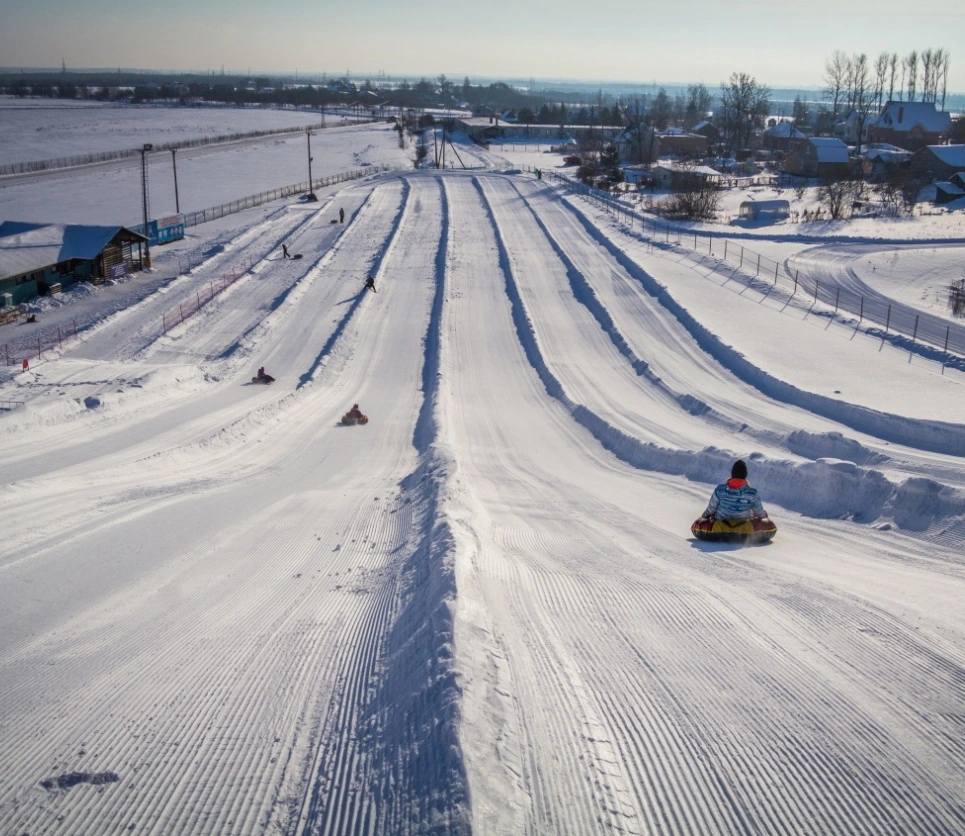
x=296 y=256
x=351 y=420
x=713 y=530
x=265 y=378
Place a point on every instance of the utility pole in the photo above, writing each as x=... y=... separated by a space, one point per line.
x=174 y=163
x=311 y=194
x=147 y=247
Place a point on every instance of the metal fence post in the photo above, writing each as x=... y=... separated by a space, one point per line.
x=888 y=320
x=725 y=250
x=795 y=284
x=758 y=264
x=817 y=285
x=861 y=310
x=915 y=332
x=837 y=297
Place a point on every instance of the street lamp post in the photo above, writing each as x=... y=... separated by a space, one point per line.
x=147 y=246
x=311 y=194
x=174 y=163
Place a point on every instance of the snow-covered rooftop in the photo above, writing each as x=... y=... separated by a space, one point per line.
x=829 y=149
x=949 y=154
x=25 y=246
x=904 y=116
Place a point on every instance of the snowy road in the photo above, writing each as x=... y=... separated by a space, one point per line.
x=223 y=612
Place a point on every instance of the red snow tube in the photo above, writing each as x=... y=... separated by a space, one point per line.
x=734 y=531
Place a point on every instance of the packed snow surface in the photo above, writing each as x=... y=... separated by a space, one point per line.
x=223 y=612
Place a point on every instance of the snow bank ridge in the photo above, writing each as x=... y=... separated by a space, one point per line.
x=828 y=488
x=934 y=436
x=420 y=689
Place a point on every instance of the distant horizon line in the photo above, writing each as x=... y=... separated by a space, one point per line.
x=382 y=74
x=378 y=74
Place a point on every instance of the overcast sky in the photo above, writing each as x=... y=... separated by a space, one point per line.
x=781 y=44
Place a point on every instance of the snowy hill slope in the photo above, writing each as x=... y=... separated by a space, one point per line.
x=483 y=611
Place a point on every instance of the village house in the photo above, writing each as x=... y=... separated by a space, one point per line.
x=666 y=175
x=910 y=125
x=37 y=259
x=824 y=157
x=707 y=129
x=948 y=192
x=675 y=142
x=880 y=158
x=782 y=137
x=938 y=162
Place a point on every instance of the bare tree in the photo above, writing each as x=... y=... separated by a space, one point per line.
x=638 y=124
x=836 y=70
x=699 y=102
x=881 y=78
x=894 y=190
x=927 y=58
x=661 y=109
x=934 y=64
x=840 y=196
x=944 y=77
x=892 y=74
x=861 y=93
x=695 y=197
x=744 y=104
x=911 y=74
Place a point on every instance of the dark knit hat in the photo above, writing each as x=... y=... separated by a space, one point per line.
x=739 y=470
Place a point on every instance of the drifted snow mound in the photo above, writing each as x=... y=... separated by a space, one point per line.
x=826 y=488
x=832 y=445
x=919 y=503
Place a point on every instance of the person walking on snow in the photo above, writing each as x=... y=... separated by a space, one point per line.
x=284 y=251
x=735 y=499
x=370 y=284
x=341 y=215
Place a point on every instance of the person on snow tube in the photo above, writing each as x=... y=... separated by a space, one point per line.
x=735 y=511
x=354 y=416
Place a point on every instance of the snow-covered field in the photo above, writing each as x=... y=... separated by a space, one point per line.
x=222 y=612
x=207 y=176
x=45 y=129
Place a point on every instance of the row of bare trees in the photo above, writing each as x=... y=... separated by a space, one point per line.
x=853 y=81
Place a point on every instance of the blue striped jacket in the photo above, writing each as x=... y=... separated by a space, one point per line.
x=735 y=500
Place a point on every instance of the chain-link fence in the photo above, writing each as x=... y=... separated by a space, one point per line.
x=892 y=317
x=202 y=295
x=215 y=212
x=125 y=153
x=26 y=350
